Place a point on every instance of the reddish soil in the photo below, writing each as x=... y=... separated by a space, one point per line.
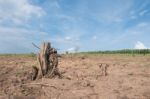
x=128 y=78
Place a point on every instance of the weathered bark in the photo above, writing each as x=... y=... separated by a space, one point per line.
x=44 y=54
x=53 y=59
x=48 y=62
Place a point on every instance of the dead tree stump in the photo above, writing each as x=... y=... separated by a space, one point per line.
x=48 y=62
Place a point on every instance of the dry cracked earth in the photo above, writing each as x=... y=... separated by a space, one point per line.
x=128 y=78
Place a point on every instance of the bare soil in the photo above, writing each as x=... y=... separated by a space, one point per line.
x=128 y=78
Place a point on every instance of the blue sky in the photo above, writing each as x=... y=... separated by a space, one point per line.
x=83 y=25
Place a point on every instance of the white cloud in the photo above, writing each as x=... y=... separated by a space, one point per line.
x=15 y=14
x=54 y=4
x=94 y=37
x=139 y=29
x=73 y=49
x=140 y=45
x=133 y=17
x=19 y=10
x=143 y=12
x=18 y=40
x=142 y=24
x=68 y=38
x=110 y=12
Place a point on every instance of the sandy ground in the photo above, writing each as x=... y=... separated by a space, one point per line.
x=128 y=78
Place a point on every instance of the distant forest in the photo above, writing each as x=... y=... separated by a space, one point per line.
x=124 y=51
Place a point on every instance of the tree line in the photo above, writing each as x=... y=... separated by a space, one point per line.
x=124 y=51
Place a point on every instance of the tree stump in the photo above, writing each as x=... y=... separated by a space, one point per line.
x=48 y=62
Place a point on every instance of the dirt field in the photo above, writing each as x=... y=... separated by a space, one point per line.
x=128 y=78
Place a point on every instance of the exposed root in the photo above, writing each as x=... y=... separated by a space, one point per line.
x=103 y=67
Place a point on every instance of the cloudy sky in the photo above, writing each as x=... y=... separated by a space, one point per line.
x=83 y=25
